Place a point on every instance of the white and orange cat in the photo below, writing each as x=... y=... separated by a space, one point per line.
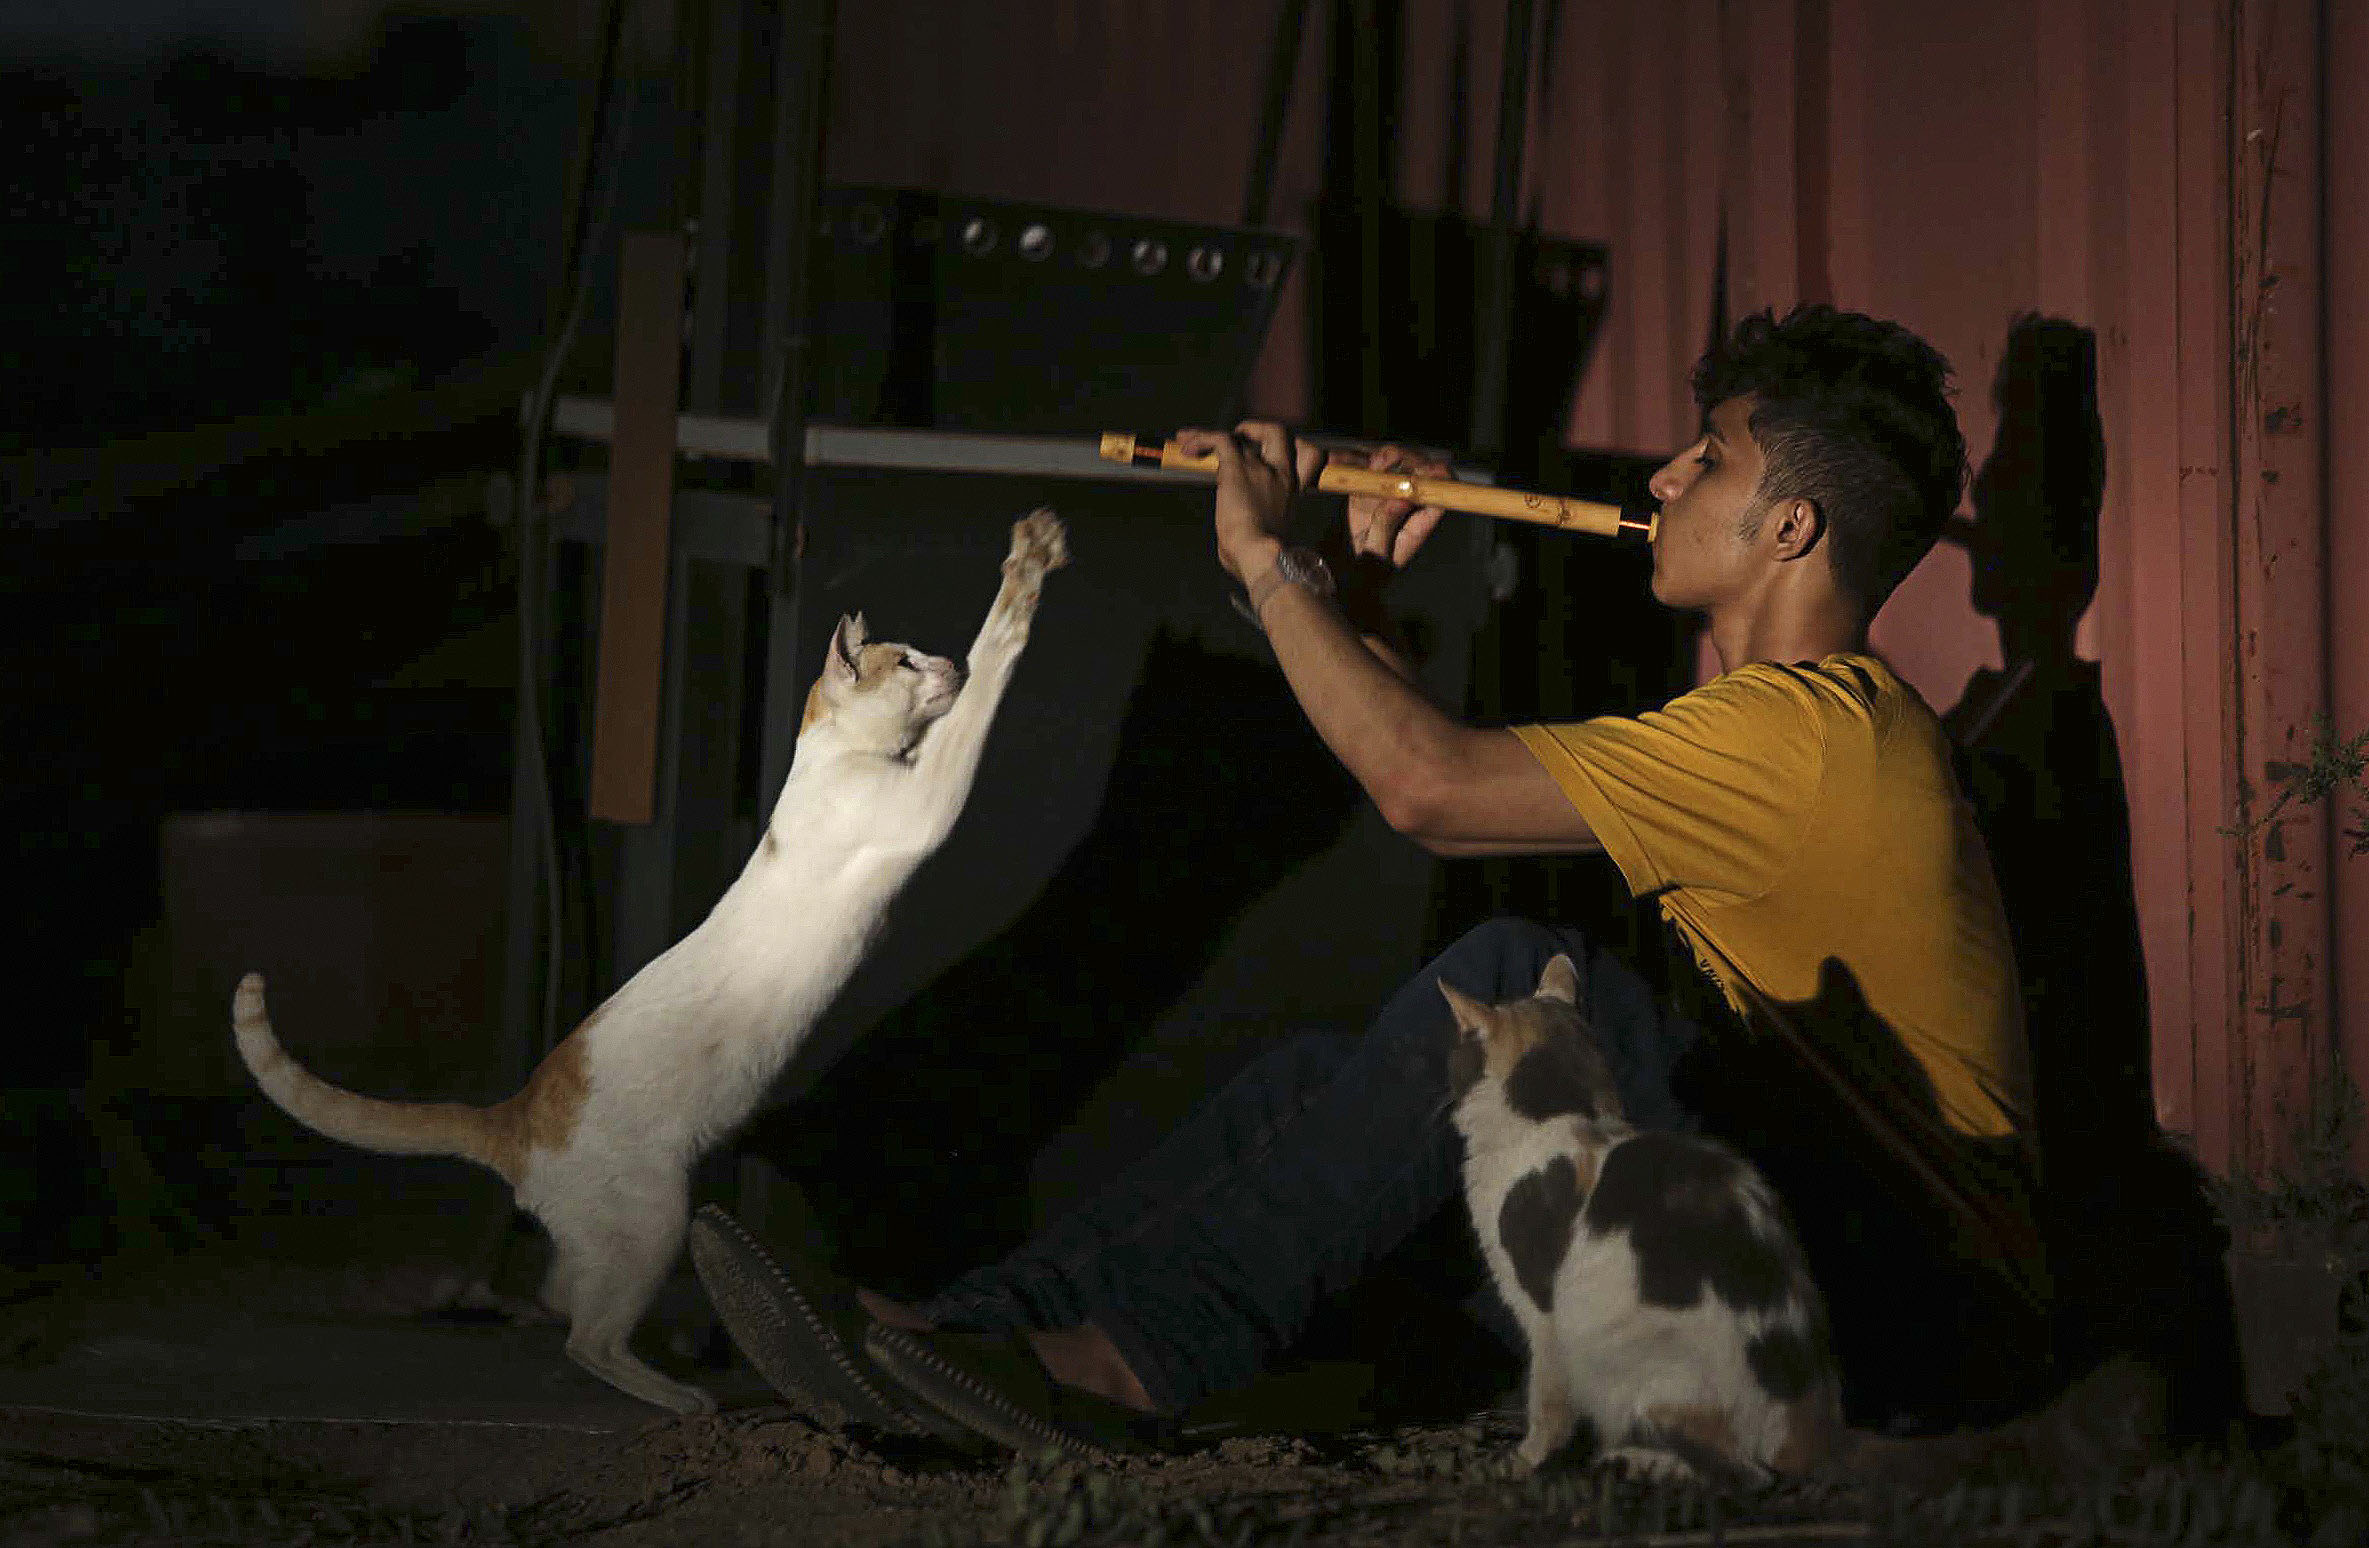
x=600 y=1142
x=1672 y=1322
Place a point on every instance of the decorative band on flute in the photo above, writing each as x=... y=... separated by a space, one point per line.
x=1593 y=517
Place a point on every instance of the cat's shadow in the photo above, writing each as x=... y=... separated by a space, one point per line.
x=915 y=1149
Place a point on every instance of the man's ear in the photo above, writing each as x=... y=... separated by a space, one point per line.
x=1797 y=526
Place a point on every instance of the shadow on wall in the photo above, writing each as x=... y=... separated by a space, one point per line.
x=1218 y=791
x=2135 y=1244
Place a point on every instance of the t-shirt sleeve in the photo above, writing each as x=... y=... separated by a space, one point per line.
x=1710 y=793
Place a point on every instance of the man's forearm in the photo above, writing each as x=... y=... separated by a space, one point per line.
x=1362 y=606
x=1360 y=695
x=1450 y=787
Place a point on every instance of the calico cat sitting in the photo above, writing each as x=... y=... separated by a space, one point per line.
x=1672 y=1323
x=600 y=1142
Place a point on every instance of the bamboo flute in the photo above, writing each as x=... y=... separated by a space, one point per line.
x=1593 y=517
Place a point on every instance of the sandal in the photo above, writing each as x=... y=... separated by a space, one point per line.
x=994 y=1386
x=799 y=1325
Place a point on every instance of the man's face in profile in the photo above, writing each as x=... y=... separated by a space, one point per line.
x=1710 y=504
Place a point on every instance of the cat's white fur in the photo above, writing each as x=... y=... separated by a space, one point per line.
x=1663 y=1386
x=599 y=1143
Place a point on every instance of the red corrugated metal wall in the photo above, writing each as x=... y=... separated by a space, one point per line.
x=2138 y=167
x=2344 y=102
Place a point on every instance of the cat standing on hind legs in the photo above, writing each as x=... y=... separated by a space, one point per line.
x=599 y=1143
x=1670 y=1316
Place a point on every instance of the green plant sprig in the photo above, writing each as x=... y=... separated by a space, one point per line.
x=2331 y=765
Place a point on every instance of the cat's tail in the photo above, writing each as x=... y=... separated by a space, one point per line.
x=2108 y=1416
x=394 y=1128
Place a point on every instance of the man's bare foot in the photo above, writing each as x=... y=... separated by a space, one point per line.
x=893 y=1314
x=1081 y=1357
x=1085 y=1358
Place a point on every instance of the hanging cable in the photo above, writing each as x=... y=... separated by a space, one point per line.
x=599 y=146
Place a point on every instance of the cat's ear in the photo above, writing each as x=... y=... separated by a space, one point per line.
x=846 y=640
x=1471 y=1015
x=1560 y=981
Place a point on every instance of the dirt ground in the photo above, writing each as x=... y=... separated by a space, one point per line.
x=768 y=1476
x=182 y=1456
x=282 y=1386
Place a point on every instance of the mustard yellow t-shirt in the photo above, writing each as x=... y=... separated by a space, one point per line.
x=1787 y=818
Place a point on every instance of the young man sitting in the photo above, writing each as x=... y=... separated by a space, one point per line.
x=1846 y=1010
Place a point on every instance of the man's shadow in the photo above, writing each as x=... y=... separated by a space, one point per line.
x=2135 y=1244
x=1921 y=1237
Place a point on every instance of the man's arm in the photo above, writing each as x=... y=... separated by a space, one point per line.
x=1359 y=594
x=1452 y=788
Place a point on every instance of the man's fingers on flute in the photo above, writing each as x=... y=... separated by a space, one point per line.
x=1378 y=533
x=1270 y=440
x=1308 y=461
x=1411 y=536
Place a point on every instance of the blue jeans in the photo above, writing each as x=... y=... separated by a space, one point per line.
x=1204 y=1261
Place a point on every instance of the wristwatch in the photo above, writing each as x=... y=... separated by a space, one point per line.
x=1302 y=567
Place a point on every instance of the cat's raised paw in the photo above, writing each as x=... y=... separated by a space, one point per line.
x=1040 y=543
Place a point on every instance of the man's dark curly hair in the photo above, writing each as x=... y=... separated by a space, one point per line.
x=1852 y=414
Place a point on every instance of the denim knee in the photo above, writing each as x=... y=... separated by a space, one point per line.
x=1502 y=959
x=1642 y=1036
x=1310 y=1057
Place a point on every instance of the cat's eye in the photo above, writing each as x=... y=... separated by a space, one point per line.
x=908 y=663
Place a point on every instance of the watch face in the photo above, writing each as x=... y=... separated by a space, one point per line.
x=1305 y=567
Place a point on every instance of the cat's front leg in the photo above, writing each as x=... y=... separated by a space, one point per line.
x=1040 y=545
x=949 y=755
x=1553 y=1418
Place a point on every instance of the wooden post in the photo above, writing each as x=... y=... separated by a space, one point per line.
x=640 y=499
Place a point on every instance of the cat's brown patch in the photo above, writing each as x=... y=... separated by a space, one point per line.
x=1518 y=1029
x=1506 y=1032
x=542 y=1116
x=872 y=662
x=1708 y=1429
